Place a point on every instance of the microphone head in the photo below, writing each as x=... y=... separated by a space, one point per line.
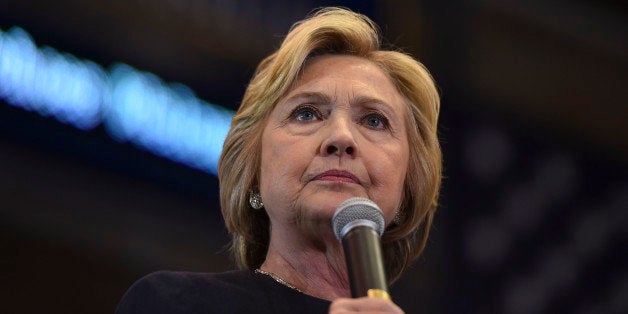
x=357 y=211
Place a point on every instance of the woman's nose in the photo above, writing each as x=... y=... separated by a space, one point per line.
x=339 y=139
x=336 y=148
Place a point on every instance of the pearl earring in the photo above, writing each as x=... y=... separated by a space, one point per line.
x=255 y=200
x=397 y=219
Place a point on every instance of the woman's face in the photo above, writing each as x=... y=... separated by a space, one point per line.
x=339 y=132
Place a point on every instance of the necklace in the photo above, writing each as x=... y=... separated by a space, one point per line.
x=277 y=279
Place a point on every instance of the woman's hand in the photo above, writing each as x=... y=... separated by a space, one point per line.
x=363 y=305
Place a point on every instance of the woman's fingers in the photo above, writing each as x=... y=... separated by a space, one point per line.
x=363 y=305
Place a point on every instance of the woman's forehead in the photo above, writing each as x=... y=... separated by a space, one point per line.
x=344 y=76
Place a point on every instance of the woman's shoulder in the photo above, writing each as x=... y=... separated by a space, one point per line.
x=193 y=280
x=185 y=292
x=237 y=291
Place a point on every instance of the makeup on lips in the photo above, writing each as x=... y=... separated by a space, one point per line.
x=337 y=176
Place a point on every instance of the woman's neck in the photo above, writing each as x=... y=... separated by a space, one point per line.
x=317 y=269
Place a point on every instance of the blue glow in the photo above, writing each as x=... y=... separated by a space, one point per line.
x=134 y=106
x=48 y=82
x=141 y=110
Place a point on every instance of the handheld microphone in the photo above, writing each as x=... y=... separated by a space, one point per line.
x=358 y=224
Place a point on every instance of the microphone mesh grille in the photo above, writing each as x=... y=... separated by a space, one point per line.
x=357 y=208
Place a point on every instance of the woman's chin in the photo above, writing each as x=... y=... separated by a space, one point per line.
x=334 y=193
x=326 y=203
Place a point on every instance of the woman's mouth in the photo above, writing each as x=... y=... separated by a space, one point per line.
x=337 y=176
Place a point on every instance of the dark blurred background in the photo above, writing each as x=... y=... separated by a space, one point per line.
x=533 y=127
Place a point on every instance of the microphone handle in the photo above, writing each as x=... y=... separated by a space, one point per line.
x=363 y=254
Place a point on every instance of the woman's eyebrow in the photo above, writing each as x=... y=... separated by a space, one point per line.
x=362 y=100
x=326 y=99
x=315 y=96
x=370 y=100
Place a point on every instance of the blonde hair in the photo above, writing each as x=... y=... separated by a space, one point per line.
x=332 y=31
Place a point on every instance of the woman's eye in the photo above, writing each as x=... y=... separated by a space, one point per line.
x=376 y=121
x=305 y=113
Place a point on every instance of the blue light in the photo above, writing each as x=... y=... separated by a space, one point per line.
x=134 y=106
x=141 y=110
x=48 y=82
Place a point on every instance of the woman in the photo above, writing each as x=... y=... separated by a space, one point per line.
x=327 y=117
